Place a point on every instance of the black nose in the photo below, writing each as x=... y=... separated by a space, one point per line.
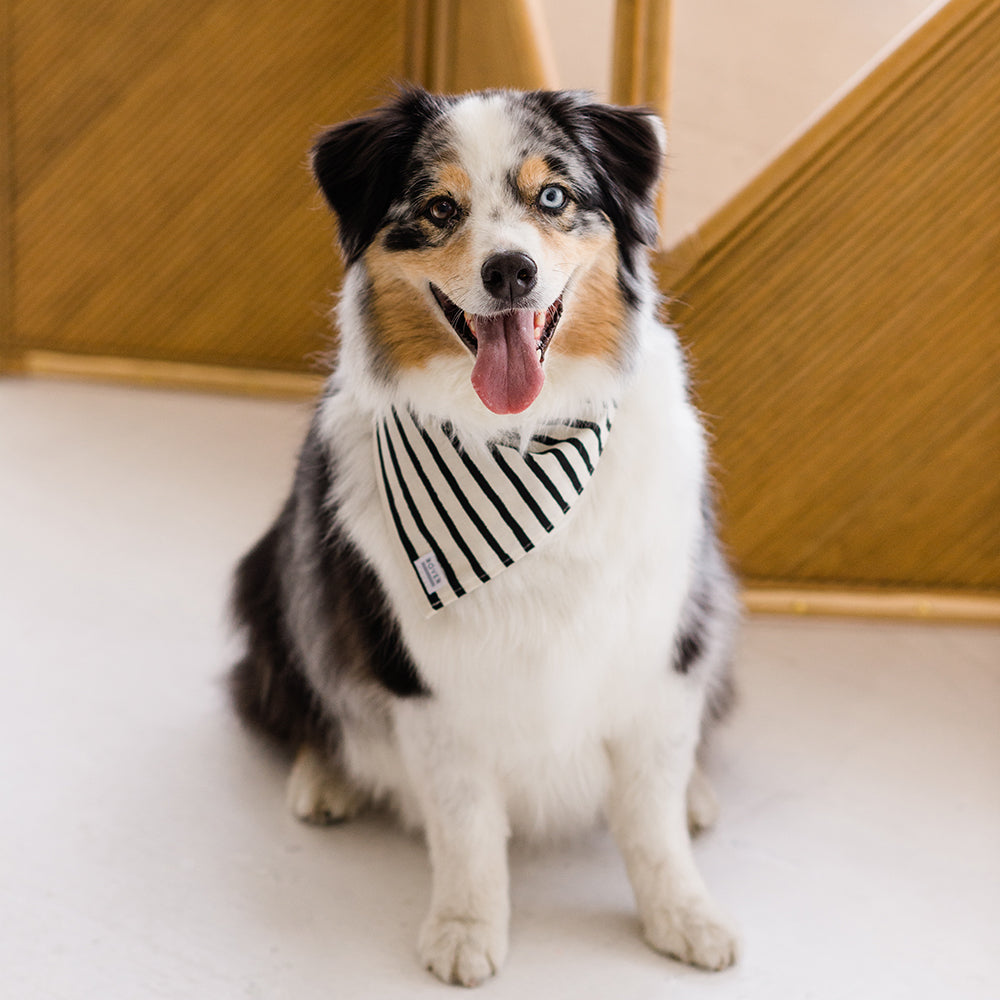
x=509 y=275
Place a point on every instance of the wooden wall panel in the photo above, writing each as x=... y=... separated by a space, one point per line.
x=843 y=310
x=6 y=190
x=641 y=65
x=844 y=314
x=640 y=72
x=460 y=45
x=501 y=44
x=164 y=211
x=164 y=208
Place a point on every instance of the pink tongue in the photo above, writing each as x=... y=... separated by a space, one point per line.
x=508 y=371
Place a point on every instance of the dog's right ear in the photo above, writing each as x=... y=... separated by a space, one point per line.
x=359 y=165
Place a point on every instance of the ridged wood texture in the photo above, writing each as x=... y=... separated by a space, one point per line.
x=640 y=70
x=844 y=314
x=162 y=208
x=842 y=311
x=6 y=190
x=640 y=66
x=459 y=45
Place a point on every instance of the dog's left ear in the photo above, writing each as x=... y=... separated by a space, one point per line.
x=359 y=165
x=629 y=145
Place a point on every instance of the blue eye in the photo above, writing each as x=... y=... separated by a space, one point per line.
x=552 y=198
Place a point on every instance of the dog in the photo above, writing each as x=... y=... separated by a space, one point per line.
x=494 y=599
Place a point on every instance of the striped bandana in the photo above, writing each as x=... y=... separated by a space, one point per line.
x=463 y=521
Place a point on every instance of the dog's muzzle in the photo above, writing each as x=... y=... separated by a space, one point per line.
x=509 y=345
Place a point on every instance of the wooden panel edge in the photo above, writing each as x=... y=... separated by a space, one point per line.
x=531 y=14
x=527 y=61
x=930 y=606
x=442 y=30
x=933 y=32
x=6 y=185
x=640 y=65
x=169 y=374
x=624 y=53
x=436 y=28
x=417 y=49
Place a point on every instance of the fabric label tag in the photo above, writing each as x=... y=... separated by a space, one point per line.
x=429 y=572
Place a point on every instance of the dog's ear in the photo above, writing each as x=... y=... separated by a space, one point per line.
x=625 y=149
x=629 y=145
x=359 y=165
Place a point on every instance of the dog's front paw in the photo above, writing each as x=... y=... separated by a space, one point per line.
x=693 y=932
x=462 y=950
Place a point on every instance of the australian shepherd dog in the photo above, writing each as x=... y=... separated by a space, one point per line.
x=494 y=600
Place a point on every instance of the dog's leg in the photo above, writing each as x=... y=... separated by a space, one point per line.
x=464 y=937
x=651 y=767
x=318 y=792
x=702 y=805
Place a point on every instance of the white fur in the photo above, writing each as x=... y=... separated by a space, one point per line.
x=487 y=140
x=590 y=644
x=553 y=694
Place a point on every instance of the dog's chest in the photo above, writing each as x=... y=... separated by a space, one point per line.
x=536 y=669
x=583 y=617
x=466 y=512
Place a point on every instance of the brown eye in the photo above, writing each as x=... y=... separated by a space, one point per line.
x=441 y=211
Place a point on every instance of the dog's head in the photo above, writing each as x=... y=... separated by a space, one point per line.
x=493 y=232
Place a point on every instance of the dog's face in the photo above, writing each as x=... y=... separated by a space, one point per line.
x=493 y=231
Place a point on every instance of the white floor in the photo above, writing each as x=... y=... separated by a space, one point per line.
x=145 y=851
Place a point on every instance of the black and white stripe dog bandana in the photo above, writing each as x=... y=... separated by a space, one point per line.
x=463 y=520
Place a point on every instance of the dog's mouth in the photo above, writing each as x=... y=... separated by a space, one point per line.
x=509 y=349
x=465 y=324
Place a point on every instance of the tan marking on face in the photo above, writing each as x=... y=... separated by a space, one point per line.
x=407 y=331
x=532 y=176
x=455 y=181
x=594 y=311
x=444 y=265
